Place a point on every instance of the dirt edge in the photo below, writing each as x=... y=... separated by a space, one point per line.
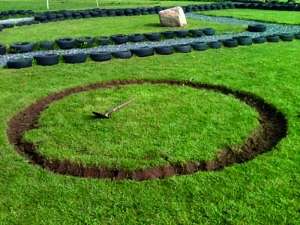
x=273 y=128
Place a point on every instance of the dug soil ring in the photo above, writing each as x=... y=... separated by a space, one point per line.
x=272 y=128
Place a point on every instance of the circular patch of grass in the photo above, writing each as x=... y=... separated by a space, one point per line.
x=164 y=124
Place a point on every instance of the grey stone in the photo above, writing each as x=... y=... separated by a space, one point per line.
x=173 y=17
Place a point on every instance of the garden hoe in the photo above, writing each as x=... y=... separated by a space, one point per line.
x=107 y=114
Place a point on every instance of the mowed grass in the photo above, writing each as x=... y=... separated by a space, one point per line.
x=38 y=5
x=276 y=16
x=164 y=124
x=101 y=27
x=262 y=191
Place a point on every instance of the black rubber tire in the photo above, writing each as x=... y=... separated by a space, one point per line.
x=196 y=33
x=151 y=10
x=66 y=43
x=128 y=12
x=75 y=58
x=47 y=60
x=101 y=56
x=183 y=48
x=122 y=54
x=51 y=16
x=153 y=36
x=287 y=37
x=143 y=52
x=230 y=43
x=136 y=38
x=244 y=40
x=19 y=63
x=84 y=42
x=111 y=12
x=8 y=25
x=207 y=7
x=103 y=40
x=168 y=34
x=120 y=12
x=209 y=31
x=215 y=44
x=40 y=18
x=297 y=36
x=257 y=28
x=259 y=40
x=46 y=45
x=119 y=39
x=21 y=47
x=2 y=49
x=136 y=12
x=200 y=46
x=181 y=33
x=67 y=15
x=273 y=38
x=164 y=50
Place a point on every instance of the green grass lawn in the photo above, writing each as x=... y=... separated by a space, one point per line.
x=262 y=191
x=139 y=136
x=100 y=27
x=264 y=15
x=163 y=122
x=38 y=5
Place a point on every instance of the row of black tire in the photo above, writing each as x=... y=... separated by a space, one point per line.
x=64 y=14
x=51 y=16
x=13 y=13
x=96 y=12
x=270 y=6
x=149 y=10
x=88 y=42
x=53 y=59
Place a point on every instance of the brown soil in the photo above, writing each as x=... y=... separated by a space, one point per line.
x=273 y=127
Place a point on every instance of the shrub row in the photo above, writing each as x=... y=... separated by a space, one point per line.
x=88 y=42
x=53 y=59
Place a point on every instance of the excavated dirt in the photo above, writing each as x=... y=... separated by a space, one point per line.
x=272 y=128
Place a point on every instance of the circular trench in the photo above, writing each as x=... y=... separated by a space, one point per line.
x=272 y=128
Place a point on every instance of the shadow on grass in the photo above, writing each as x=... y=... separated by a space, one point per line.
x=153 y=25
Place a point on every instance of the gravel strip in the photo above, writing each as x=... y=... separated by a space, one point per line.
x=271 y=29
x=16 y=20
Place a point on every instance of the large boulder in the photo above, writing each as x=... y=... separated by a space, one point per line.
x=173 y=17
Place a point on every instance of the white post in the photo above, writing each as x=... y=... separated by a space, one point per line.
x=47 y=4
x=97 y=3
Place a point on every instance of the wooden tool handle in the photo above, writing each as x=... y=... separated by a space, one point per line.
x=117 y=108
